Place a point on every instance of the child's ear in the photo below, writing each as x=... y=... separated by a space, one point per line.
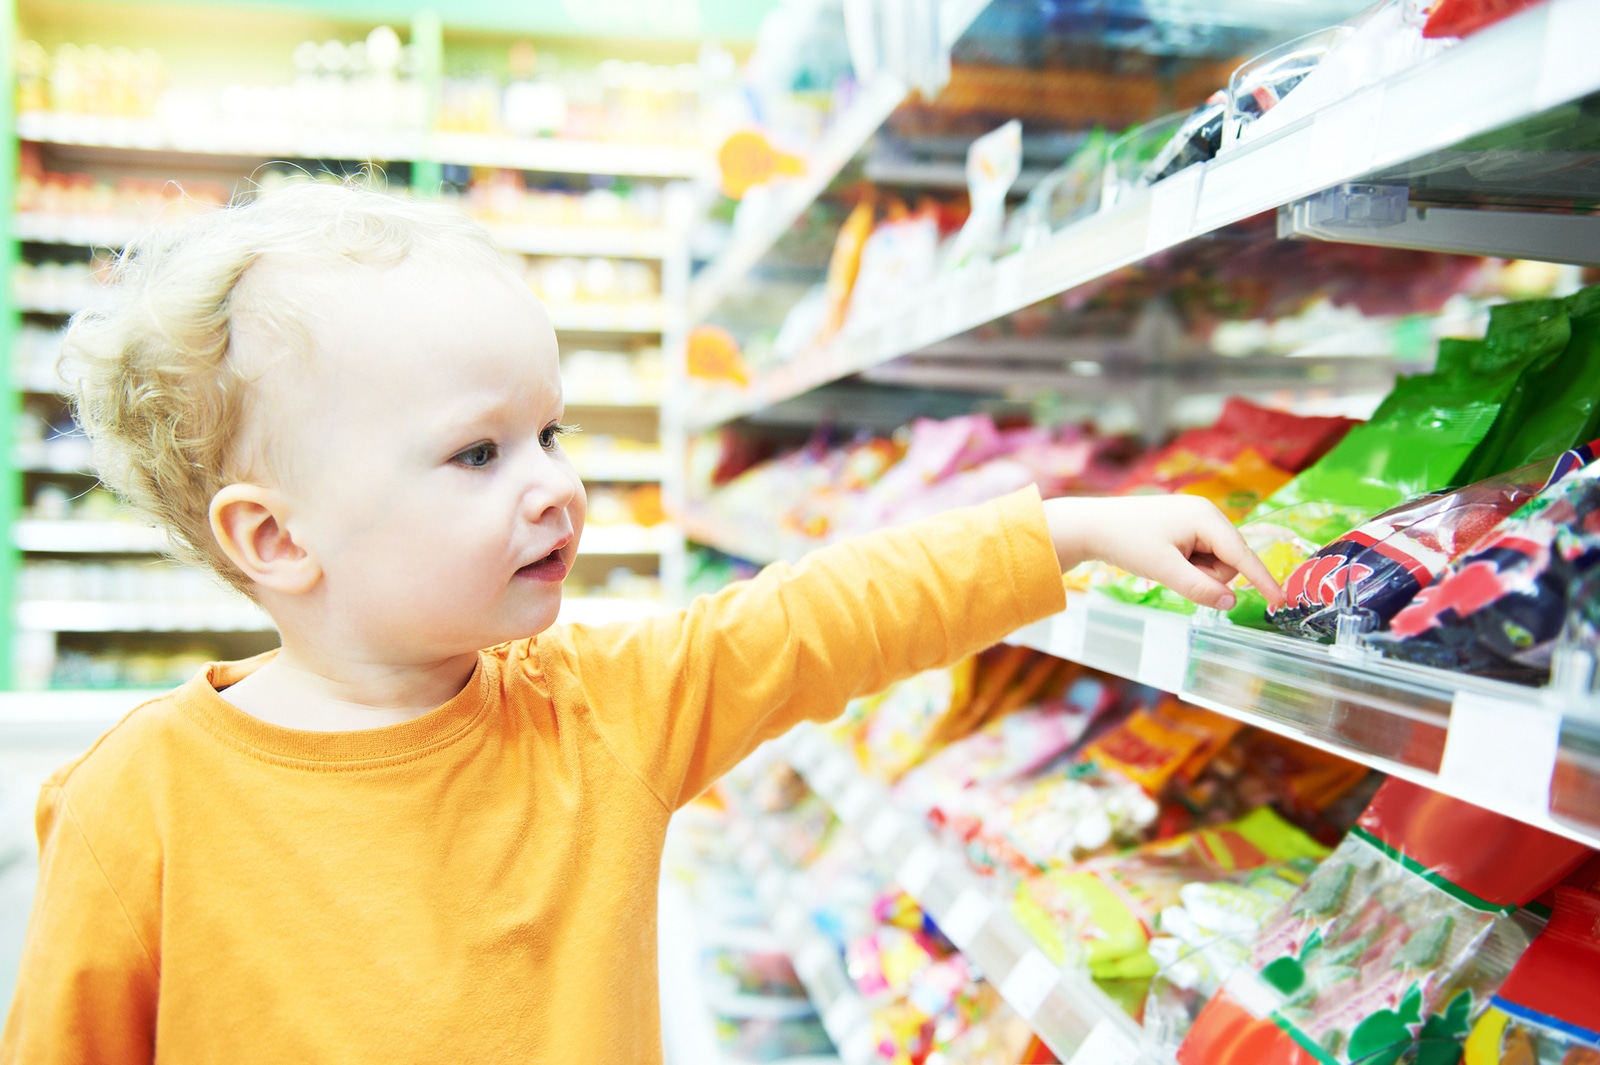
x=249 y=522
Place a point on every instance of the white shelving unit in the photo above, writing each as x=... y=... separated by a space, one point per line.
x=465 y=149
x=1529 y=753
x=844 y=1013
x=850 y=132
x=1513 y=70
x=618 y=242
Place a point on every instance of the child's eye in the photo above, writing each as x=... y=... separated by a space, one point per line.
x=552 y=434
x=479 y=454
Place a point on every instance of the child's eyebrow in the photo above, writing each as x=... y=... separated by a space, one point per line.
x=494 y=412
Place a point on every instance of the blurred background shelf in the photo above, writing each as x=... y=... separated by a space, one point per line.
x=462 y=149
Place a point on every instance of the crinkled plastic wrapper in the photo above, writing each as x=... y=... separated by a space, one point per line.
x=1500 y=609
x=1375 y=570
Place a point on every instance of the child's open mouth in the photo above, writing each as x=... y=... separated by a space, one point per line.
x=551 y=568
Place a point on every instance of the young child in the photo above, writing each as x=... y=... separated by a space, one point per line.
x=382 y=842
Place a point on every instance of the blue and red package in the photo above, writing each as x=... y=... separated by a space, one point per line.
x=1377 y=569
x=1501 y=607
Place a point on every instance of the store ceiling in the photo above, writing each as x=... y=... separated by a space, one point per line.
x=662 y=20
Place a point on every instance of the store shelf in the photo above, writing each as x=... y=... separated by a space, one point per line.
x=790 y=199
x=1532 y=754
x=600 y=610
x=87 y=537
x=464 y=149
x=100 y=231
x=586 y=242
x=850 y=132
x=565 y=317
x=1524 y=65
x=622 y=466
x=1064 y=1008
x=584 y=318
x=703 y=528
x=1561 y=238
x=816 y=961
x=63 y=717
x=79 y=230
x=628 y=540
x=118 y=537
x=61 y=615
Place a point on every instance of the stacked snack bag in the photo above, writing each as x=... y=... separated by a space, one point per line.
x=1395 y=946
x=1521 y=395
x=1195 y=868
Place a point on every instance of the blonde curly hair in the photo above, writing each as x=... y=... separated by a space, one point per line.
x=158 y=384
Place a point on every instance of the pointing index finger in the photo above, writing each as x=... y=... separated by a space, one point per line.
x=1230 y=547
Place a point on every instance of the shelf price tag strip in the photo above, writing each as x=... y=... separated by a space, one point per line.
x=961 y=922
x=1164 y=652
x=1106 y=1044
x=915 y=873
x=1029 y=983
x=1504 y=752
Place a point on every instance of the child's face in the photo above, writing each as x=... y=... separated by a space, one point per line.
x=423 y=465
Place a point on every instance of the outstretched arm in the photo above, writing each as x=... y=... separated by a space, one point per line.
x=681 y=699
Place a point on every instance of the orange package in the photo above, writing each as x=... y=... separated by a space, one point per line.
x=1175 y=740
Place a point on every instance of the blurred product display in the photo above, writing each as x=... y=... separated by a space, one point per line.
x=1245 y=253
x=1333 y=266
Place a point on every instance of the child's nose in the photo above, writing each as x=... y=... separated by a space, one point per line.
x=551 y=485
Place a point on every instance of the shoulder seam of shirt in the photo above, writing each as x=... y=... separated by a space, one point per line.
x=558 y=693
x=64 y=772
x=133 y=929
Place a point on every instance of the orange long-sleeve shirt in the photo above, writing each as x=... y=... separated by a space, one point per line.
x=477 y=884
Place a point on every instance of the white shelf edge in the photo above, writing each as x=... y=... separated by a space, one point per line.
x=1063 y=1013
x=1110 y=636
x=638 y=468
x=602 y=610
x=628 y=540
x=1494 y=78
x=550 y=155
x=68 y=615
x=89 y=537
x=609 y=242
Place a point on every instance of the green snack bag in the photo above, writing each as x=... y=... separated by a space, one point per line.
x=1533 y=336
x=1419 y=440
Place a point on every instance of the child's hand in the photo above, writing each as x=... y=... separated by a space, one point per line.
x=1184 y=542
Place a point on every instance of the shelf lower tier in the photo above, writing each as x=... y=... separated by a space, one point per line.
x=1529 y=753
x=1068 y=1012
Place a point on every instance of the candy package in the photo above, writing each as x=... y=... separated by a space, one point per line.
x=1172 y=740
x=1548 y=1010
x=1417 y=442
x=1553 y=403
x=1204 y=938
x=889 y=731
x=1394 y=946
x=1004 y=750
x=1101 y=912
x=1376 y=569
x=1500 y=608
x=1286 y=441
x=1060 y=817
